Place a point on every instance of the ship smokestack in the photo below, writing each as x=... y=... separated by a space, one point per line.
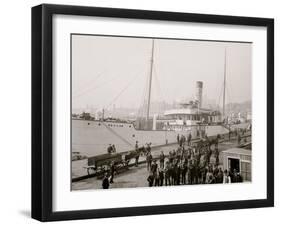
x=198 y=95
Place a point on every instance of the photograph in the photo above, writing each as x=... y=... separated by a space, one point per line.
x=150 y=111
x=155 y=111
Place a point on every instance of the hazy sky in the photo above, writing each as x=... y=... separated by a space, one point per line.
x=115 y=70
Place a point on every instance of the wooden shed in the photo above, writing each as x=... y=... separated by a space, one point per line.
x=239 y=159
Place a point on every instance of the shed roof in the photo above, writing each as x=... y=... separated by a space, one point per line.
x=239 y=151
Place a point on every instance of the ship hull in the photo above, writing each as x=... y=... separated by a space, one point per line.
x=92 y=138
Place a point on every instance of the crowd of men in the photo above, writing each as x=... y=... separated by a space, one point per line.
x=188 y=164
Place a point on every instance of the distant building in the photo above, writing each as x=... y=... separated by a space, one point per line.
x=86 y=116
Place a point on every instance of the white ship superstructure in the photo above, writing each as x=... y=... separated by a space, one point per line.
x=191 y=113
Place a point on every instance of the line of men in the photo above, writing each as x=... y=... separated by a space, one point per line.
x=182 y=139
x=188 y=166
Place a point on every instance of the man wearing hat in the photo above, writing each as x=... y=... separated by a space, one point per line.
x=105 y=181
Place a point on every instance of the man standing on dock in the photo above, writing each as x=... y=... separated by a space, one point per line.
x=217 y=153
x=150 y=179
x=162 y=159
x=137 y=146
x=149 y=161
x=189 y=139
x=105 y=182
x=112 y=169
x=137 y=154
x=148 y=149
x=167 y=174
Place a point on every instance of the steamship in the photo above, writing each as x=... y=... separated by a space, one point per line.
x=92 y=137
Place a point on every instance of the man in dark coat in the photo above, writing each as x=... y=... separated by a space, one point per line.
x=137 y=146
x=178 y=174
x=196 y=169
x=167 y=174
x=189 y=139
x=137 y=158
x=183 y=172
x=150 y=179
x=105 y=182
x=112 y=169
x=154 y=167
x=149 y=161
x=173 y=174
x=216 y=171
x=162 y=159
x=204 y=171
x=148 y=148
x=219 y=178
x=137 y=154
x=191 y=173
x=209 y=154
x=161 y=176
x=217 y=153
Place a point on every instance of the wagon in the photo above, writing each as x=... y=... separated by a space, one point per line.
x=100 y=164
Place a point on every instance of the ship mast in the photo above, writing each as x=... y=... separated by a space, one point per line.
x=224 y=83
x=150 y=81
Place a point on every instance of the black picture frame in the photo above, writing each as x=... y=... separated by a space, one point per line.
x=42 y=111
